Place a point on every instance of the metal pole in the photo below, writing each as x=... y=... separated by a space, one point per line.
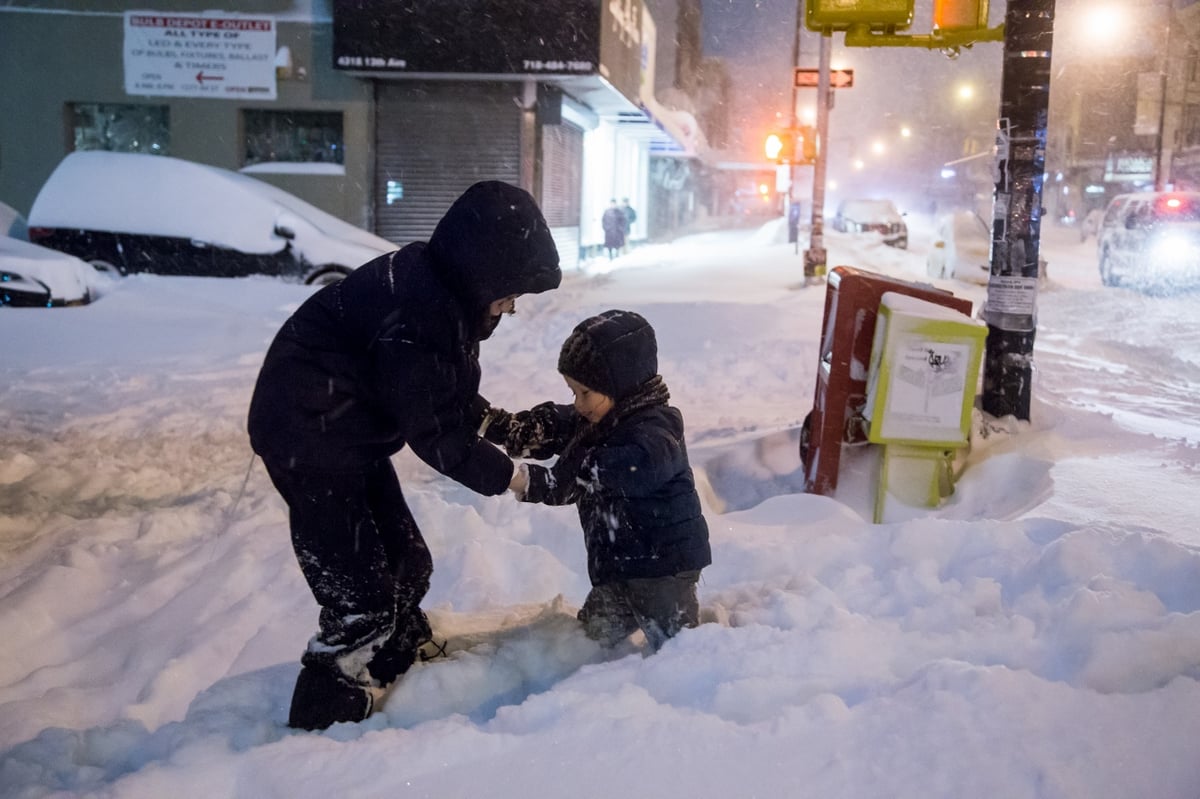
x=814 y=256
x=1011 y=310
x=1159 y=173
x=791 y=197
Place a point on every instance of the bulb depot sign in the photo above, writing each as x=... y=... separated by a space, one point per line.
x=220 y=56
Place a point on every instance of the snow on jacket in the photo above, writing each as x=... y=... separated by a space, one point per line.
x=635 y=494
x=390 y=355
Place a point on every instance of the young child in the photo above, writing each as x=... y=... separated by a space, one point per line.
x=622 y=462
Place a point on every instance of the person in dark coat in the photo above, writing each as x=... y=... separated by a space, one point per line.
x=385 y=358
x=630 y=218
x=613 y=221
x=623 y=463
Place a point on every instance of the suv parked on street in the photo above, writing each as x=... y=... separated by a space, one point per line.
x=1151 y=241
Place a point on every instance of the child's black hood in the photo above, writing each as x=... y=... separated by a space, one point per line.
x=492 y=243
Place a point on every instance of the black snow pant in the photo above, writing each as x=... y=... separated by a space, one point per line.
x=659 y=606
x=366 y=564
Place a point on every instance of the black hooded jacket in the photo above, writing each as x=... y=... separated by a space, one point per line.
x=390 y=355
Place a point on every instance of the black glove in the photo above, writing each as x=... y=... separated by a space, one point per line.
x=494 y=425
x=539 y=432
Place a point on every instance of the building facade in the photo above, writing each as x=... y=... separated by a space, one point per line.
x=380 y=113
x=1124 y=115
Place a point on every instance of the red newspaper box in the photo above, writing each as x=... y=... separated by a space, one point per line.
x=847 y=331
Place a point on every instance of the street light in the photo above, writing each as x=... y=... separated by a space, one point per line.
x=1104 y=24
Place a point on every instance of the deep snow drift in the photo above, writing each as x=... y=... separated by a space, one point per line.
x=1038 y=635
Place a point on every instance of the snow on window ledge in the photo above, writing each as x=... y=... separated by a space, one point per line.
x=295 y=168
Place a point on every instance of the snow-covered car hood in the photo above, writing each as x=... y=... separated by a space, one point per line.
x=871 y=212
x=69 y=279
x=157 y=195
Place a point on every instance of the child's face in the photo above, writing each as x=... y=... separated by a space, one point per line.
x=590 y=404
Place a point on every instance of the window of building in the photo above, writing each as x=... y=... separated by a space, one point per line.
x=293 y=137
x=120 y=128
x=1191 y=126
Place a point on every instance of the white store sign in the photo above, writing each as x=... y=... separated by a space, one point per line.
x=228 y=57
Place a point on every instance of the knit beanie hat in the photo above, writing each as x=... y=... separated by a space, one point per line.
x=614 y=353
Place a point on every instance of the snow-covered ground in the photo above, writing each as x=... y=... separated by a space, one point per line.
x=1038 y=635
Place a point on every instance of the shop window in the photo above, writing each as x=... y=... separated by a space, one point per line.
x=293 y=137
x=120 y=128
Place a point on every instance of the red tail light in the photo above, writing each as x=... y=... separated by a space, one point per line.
x=39 y=233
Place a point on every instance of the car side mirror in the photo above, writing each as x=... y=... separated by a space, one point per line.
x=284 y=232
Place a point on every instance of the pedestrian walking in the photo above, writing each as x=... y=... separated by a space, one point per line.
x=613 y=221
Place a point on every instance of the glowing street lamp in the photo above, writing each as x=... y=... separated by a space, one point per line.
x=1104 y=24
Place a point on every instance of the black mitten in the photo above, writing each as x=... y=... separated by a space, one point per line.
x=496 y=425
x=538 y=432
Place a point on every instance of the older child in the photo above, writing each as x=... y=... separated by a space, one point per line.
x=622 y=462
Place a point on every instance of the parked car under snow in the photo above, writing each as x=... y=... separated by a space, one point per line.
x=130 y=212
x=33 y=276
x=872 y=216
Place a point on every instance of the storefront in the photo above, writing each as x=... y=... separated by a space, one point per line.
x=381 y=118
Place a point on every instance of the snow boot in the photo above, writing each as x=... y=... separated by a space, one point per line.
x=400 y=651
x=322 y=697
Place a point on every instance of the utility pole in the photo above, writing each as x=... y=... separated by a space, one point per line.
x=814 y=256
x=795 y=123
x=1163 y=169
x=1011 y=310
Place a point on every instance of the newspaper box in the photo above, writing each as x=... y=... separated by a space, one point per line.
x=921 y=386
x=847 y=331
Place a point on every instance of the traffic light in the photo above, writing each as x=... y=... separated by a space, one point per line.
x=807 y=135
x=960 y=14
x=792 y=145
x=827 y=16
x=780 y=146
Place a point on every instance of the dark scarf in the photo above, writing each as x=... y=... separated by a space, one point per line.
x=652 y=392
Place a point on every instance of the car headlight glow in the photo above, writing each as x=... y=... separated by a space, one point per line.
x=1172 y=250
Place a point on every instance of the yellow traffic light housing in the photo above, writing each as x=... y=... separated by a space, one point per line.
x=807 y=136
x=792 y=145
x=876 y=23
x=878 y=15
